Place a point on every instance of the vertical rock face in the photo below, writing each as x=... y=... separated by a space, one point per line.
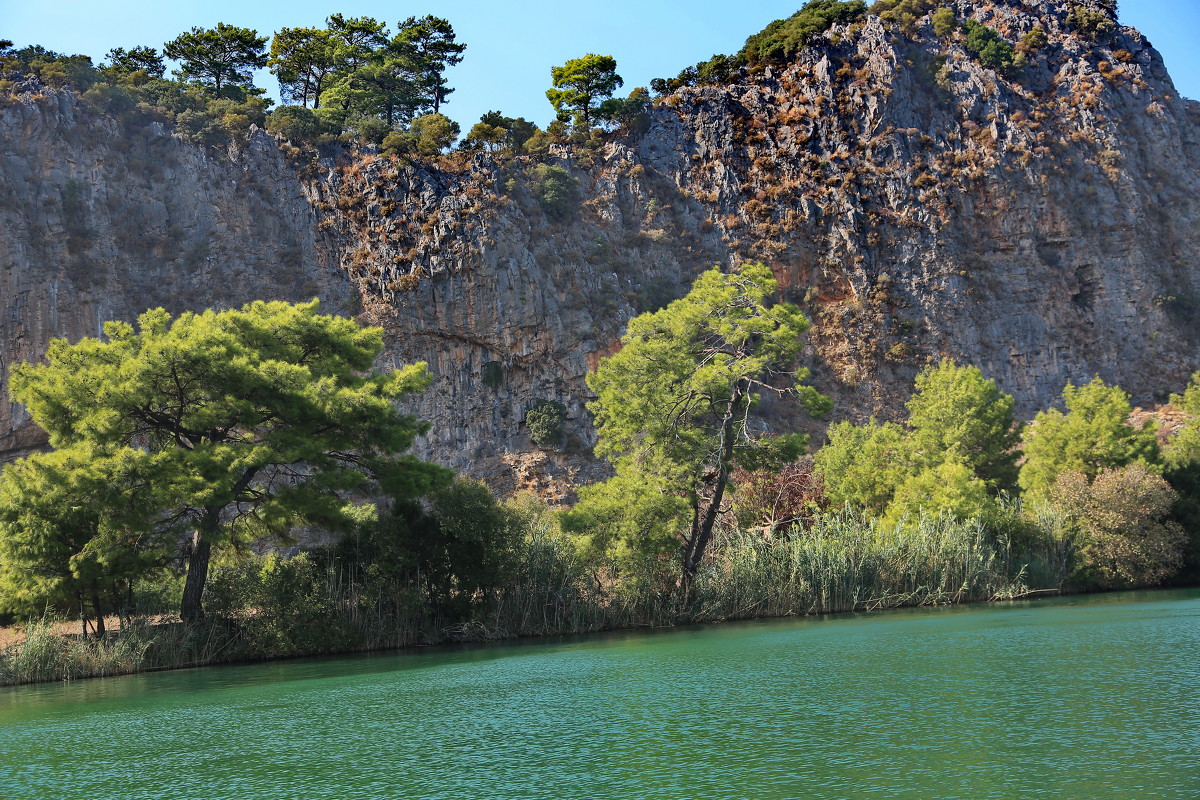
x=1043 y=224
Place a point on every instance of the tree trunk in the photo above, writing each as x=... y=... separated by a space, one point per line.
x=702 y=527
x=191 y=609
x=98 y=607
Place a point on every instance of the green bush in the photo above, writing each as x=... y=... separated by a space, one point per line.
x=545 y=419
x=904 y=13
x=1095 y=23
x=296 y=124
x=944 y=22
x=557 y=191
x=988 y=47
x=783 y=38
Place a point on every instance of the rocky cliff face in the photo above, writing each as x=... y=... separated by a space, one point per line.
x=1044 y=225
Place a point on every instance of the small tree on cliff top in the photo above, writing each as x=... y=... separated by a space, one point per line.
x=674 y=408
x=239 y=423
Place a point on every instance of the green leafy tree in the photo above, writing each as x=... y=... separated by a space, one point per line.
x=430 y=45
x=862 y=465
x=557 y=190
x=949 y=486
x=218 y=57
x=357 y=38
x=1182 y=459
x=581 y=84
x=956 y=408
x=1097 y=20
x=1092 y=436
x=944 y=22
x=433 y=133
x=242 y=422
x=123 y=63
x=957 y=450
x=303 y=60
x=674 y=407
x=73 y=535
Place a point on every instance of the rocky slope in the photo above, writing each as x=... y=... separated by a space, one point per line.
x=1044 y=225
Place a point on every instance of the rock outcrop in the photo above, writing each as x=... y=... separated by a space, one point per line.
x=1044 y=225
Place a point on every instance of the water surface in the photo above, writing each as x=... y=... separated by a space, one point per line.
x=1094 y=698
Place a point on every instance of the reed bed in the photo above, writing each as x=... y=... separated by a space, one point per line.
x=271 y=607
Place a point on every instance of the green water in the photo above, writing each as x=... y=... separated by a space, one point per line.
x=1091 y=698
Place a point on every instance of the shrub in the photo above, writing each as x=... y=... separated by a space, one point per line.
x=905 y=13
x=987 y=46
x=1095 y=23
x=557 y=191
x=777 y=500
x=296 y=124
x=545 y=419
x=783 y=38
x=433 y=133
x=944 y=22
x=1120 y=522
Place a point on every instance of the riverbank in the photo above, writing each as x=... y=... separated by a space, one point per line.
x=263 y=608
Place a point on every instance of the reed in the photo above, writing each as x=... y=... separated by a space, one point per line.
x=847 y=563
x=271 y=607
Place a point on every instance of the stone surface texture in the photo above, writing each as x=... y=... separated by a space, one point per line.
x=1043 y=225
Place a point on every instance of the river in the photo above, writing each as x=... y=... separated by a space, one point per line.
x=1096 y=698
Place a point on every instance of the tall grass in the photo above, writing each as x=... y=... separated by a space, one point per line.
x=847 y=563
x=47 y=655
x=270 y=607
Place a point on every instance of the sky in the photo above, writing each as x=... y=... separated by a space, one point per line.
x=512 y=46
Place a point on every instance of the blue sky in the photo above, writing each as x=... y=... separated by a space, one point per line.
x=511 y=47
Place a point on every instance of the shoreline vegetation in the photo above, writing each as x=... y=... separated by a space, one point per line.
x=268 y=607
x=181 y=444
x=706 y=518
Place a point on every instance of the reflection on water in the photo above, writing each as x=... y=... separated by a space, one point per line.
x=1092 y=697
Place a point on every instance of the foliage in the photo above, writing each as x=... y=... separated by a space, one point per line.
x=956 y=451
x=904 y=13
x=495 y=131
x=1095 y=22
x=459 y=550
x=956 y=410
x=720 y=69
x=430 y=46
x=988 y=46
x=1182 y=460
x=783 y=38
x=556 y=189
x=123 y=63
x=776 y=500
x=1094 y=435
x=53 y=69
x=296 y=124
x=581 y=84
x=433 y=133
x=948 y=487
x=862 y=465
x=244 y=422
x=631 y=113
x=72 y=536
x=1119 y=517
x=674 y=405
x=303 y=60
x=944 y=22
x=217 y=57
x=545 y=419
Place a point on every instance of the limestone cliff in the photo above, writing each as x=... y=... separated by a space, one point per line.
x=1043 y=224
